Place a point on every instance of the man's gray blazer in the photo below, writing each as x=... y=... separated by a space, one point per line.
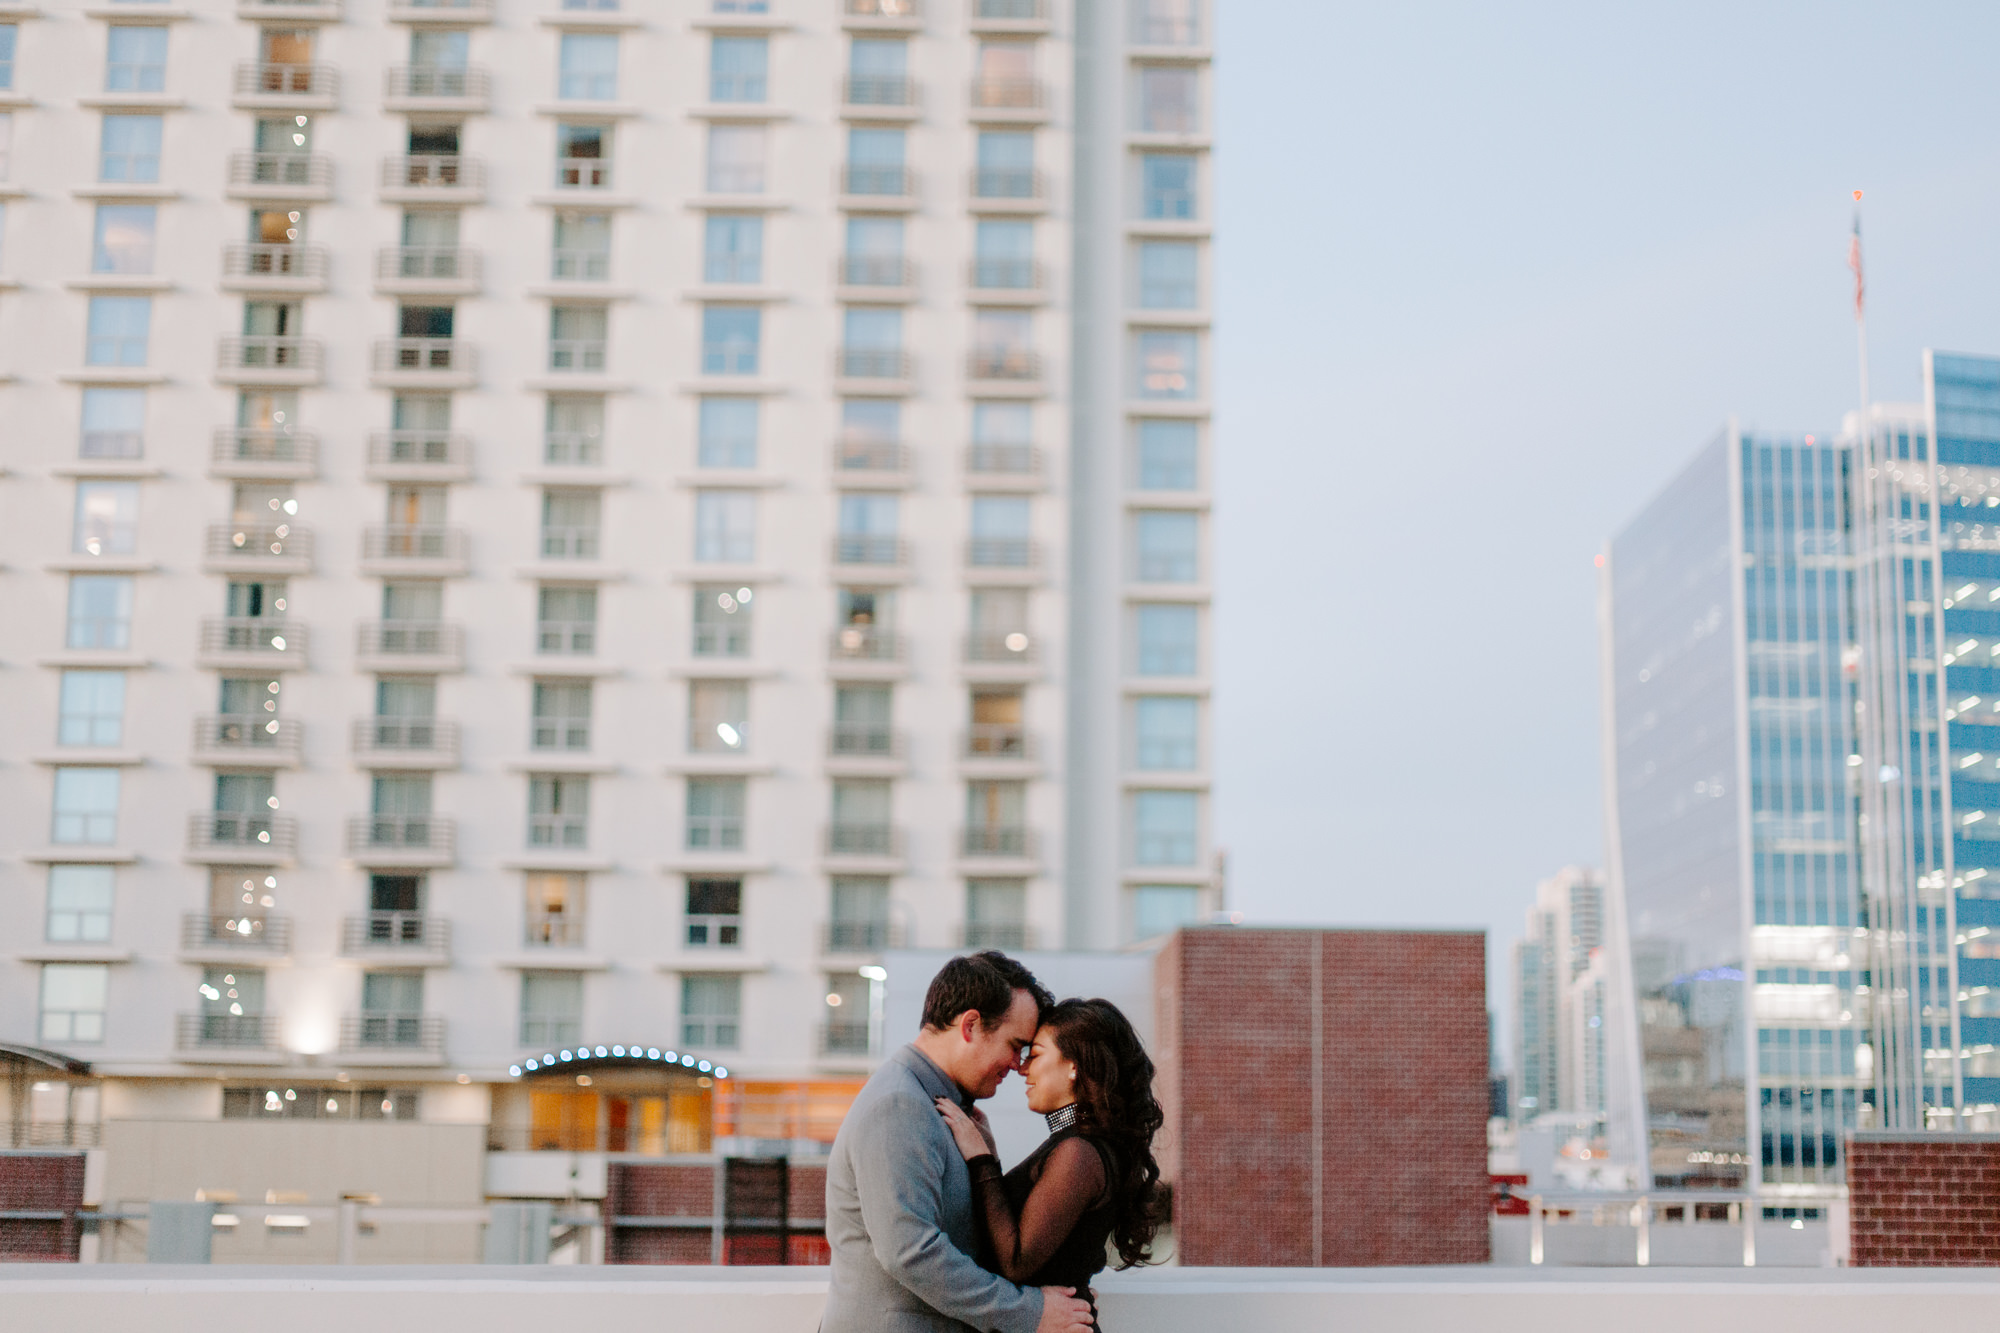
x=899 y=1217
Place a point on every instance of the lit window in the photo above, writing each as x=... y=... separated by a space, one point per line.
x=1166 y=364
x=123 y=242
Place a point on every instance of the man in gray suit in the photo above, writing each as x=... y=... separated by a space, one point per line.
x=898 y=1196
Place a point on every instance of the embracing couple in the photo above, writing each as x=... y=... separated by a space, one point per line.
x=927 y=1233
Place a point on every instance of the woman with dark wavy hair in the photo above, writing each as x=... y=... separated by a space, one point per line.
x=1092 y=1180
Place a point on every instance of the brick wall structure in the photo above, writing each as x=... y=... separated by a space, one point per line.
x=40 y=1182
x=644 y=1192
x=1919 y=1200
x=1326 y=1096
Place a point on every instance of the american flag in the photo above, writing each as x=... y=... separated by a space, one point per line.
x=1854 y=262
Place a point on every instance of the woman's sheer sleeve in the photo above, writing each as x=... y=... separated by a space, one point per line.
x=1072 y=1178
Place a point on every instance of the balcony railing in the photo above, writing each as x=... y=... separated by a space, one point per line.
x=996 y=740
x=249 y=735
x=845 y=1038
x=1018 y=460
x=427 y=263
x=411 y=932
x=871 y=363
x=571 y=541
x=111 y=444
x=419 y=448
x=219 y=831
x=1006 y=183
x=466 y=83
x=870 y=456
x=860 y=936
x=441 y=11
x=568 y=637
x=875 y=271
x=270 y=78
x=859 y=549
x=714 y=930
x=852 y=839
x=1165 y=29
x=882 y=9
x=996 y=840
x=303 y=262
x=1012 y=645
x=236 y=444
x=879 y=90
x=553 y=929
x=414 y=541
x=389 y=737
x=411 y=638
x=1002 y=363
x=714 y=833
x=865 y=643
x=1006 y=275
x=433 y=171
x=440 y=355
x=725 y=638
x=271 y=636
x=572 y=446
x=1000 y=553
x=432 y=835
x=572 y=831
x=1014 y=935
x=878 y=182
x=259 y=541
x=263 y=352
x=1007 y=94
x=280 y=171
x=584 y=354
x=572 y=265
x=392 y=1031
x=1010 y=9
x=863 y=740
x=243 y=1032
x=583 y=173
x=250 y=934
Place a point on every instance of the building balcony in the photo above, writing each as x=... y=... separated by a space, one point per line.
x=851 y=839
x=1015 y=935
x=260 y=643
x=892 y=14
x=873 y=363
x=1009 y=647
x=1014 y=364
x=250 y=454
x=552 y=930
x=246 y=936
x=282 y=86
x=414 y=548
x=227 y=1032
x=859 y=549
x=405 y=742
x=281 y=177
x=400 y=933
x=274 y=268
x=994 y=461
x=111 y=444
x=442 y=13
x=880 y=458
x=414 y=1037
x=583 y=173
x=419 y=455
x=577 y=356
x=860 y=937
x=713 y=833
x=419 y=270
x=996 y=741
x=1000 y=553
x=460 y=88
x=289 y=11
x=433 y=178
x=420 y=363
x=1005 y=841
x=875 y=93
x=1010 y=188
x=1018 y=96
x=843 y=1039
x=417 y=646
x=866 y=643
x=578 y=638
x=261 y=359
x=877 y=274
x=258 y=548
x=569 y=833
x=994 y=276
x=401 y=840
x=1009 y=15
x=223 y=838
x=878 y=185
x=863 y=740
x=247 y=740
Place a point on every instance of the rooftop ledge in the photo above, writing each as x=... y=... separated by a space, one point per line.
x=1174 y=1300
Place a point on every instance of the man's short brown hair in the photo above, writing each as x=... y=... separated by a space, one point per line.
x=983 y=981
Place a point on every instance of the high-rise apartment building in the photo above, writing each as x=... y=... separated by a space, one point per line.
x=538 y=524
x=1556 y=996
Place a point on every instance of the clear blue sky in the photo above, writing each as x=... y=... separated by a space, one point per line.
x=1489 y=274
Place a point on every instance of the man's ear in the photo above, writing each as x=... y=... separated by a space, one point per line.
x=966 y=1022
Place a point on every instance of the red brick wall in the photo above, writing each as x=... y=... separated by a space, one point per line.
x=1924 y=1200
x=677 y=1189
x=1398 y=1156
x=40 y=1182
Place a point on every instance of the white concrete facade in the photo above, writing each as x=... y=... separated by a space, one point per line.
x=429 y=521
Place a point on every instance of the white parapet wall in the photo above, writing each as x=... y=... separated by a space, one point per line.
x=52 y=1299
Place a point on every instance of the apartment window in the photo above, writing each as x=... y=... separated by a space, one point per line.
x=718 y=716
x=123 y=239
x=571 y=524
x=734 y=249
x=392 y=1008
x=445 y=49
x=551 y=1008
x=106 y=520
x=878 y=70
x=1166 y=544
x=129 y=151
x=1003 y=253
x=400 y=803
x=583 y=157
x=86 y=807
x=861 y=815
x=1000 y=527
x=869 y=523
x=1002 y=343
x=996 y=815
x=736 y=155
x=93 y=708
x=996 y=914
x=577 y=336
x=112 y=423
x=290 y=137
x=1168 y=640
x=860 y=914
x=1168 y=275
x=848 y=1014
x=1166 y=22
x=711 y=1011
x=430 y=243
x=874 y=256
x=715 y=814
x=9 y=35
x=558 y=810
x=1167 y=100
x=100 y=612
x=725 y=527
x=117 y=330
x=1165 y=362
x=726 y=433
x=996 y=724
x=1002 y=437
x=721 y=622
x=1165 y=730
x=714 y=913
x=407 y=603
x=1169 y=456
x=554 y=911
x=79 y=909
x=1005 y=165
x=6 y=143
x=737 y=68
x=1166 y=828
x=871 y=433
x=999 y=625
x=562 y=715
x=566 y=620
x=574 y=430
x=135 y=60
x=872 y=342
x=730 y=335
x=1162 y=909
x=1166 y=186
x=875 y=162
x=73 y=1001
x=582 y=247
x=589 y=67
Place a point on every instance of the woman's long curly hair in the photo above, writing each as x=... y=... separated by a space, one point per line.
x=1115 y=1103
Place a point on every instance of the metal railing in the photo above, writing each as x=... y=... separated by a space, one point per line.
x=569 y=637
x=419 y=448
x=863 y=839
x=845 y=1038
x=285 y=171
x=427 y=263
x=1012 y=645
x=870 y=456
x=571 y=541
x=247 y=260
x=863 y=740
x=576 y=353
x=244 y=1032
x=885 y=9
x=865 y=643
x=996 y=740
x=572 y=446
x=1006 y=275
x=879 y=182
x=413 y=541
x=413 y=932
x=730 y=638
x=273 y=78
x=571 y=831
x=1002 y=363
x=404 y=736
x=583 y=173
x=259 y=541
x=1000 y=553
x=392 y=1031
x=1015 y=935
x=875 y=271
x=861 y=549
x=410 y=638
x=423 y=354
x=871 y=363
x=1003 y=459
x=714 y=833
x=996 y=840
x=235 y=734
x=878 y=90
x=433 y=171
x=236 y=444
x=1006 y=183
x=860 y=936
x=554 y=929
x=111 y=444
x=451 y=9
x=1007 y=94
x=271 y=636
x=714 y=930
x=1010 y=9
x=581 y=265
x=248 y=933
x=453 y=82
x=431 y=834
x=215 y=831
x=265 y=352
